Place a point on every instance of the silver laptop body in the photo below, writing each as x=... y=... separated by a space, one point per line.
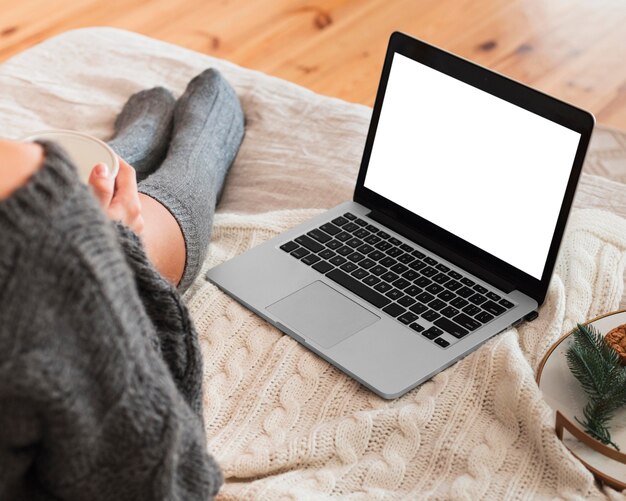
x=428 y=261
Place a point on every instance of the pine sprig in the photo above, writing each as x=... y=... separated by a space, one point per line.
x=596 y=366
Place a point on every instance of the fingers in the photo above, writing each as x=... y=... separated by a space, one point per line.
x=125 y=205
x=102 y=184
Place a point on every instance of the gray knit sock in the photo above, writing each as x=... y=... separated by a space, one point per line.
x=208 y=129
x=143 y=129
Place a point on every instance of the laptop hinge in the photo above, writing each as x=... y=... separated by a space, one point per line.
x=464 y=263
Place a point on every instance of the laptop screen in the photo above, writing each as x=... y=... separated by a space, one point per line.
x=484 y=169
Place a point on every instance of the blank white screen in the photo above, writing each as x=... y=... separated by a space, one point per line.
x=483 y=169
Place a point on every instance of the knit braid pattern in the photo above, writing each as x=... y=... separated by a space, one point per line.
x=284 y=424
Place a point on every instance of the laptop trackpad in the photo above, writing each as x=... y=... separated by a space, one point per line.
x=322 y=314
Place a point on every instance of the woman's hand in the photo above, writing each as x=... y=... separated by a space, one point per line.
x=118 y=196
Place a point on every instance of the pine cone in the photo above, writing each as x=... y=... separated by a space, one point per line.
x=617 y=339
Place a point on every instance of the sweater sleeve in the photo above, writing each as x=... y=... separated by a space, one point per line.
x=89 y=408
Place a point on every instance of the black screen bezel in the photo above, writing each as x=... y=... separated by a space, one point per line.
x=474 y=259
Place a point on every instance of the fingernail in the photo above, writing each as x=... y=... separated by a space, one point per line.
x=102 y=170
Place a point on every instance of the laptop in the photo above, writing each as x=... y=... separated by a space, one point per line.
x=461 y=201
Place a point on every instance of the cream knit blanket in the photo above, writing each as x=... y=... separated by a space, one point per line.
x=284 y=424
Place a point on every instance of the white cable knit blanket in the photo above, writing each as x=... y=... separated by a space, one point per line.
x=284 y=424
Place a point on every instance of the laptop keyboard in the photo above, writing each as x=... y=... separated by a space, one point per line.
x=417 y=290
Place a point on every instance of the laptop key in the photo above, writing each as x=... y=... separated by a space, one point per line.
x=410 y=275
x=319 y=235
x=480 y=288
x=351 y=227
x=477 y=299
x=432 y=333
x=334 y=244
x=323 y=267
x=493 y=296
x=455 y=274
x=372 y=239
x=437 y=304
x=300 y=252
x=441 y=278
x=394 y=241
x=340 y=221
x=471 y=309
x=362 y=233
x=493 y=308
x=406 y=258
x=394 y=252
x=413 y=290
x=417 y=265
x=483 y=317
x=398 y=268
x=418 y=254
x=459 y=302
x=401 y=283
x=372 y=228
x=378 y=270
x=310 y=259
x=354 y=242
x=467 y=281
x=452 y=285
x=349 y=267
x=407 y=318
x=429 y=271
x=355 y=257
x=467 y=322
x=360 y=222
x=442 y=342
x=371 y=280
x=327 y=254
x=465 y=292
x=394 y=310
x=383 y=287
x=431 y=315
x=330 y=228
x=358 y=288
x=389 y=276
x=394 y=294
x=425 y=297
x=451 y=328
x=418 y=308
x=383 y=234
x=406 y=301
x=449 y=311
x=377 y=255
x=359 y=273
x=446 y=295
x=383 y=245
x=430 y=261
x=507 y=304
x=309 y=243
x=422 y=282
x=343 y=236
x=289 y=246
x=367 y=263
x=442 y=267
x=416 y=327
x=350 y=216
x=406 y=248
x=338 y=260
x=388 y=262
x=365 y=248
x=434 y=288
x=345 y=250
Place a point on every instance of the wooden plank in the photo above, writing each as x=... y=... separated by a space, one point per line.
x=573 y=49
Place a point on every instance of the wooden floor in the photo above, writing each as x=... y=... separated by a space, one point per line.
x=573 y=49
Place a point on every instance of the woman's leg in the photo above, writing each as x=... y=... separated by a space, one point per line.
x=162 y=239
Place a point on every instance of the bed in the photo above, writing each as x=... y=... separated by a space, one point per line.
x=282 y=423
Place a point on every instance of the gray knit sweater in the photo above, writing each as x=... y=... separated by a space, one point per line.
x=100 y=368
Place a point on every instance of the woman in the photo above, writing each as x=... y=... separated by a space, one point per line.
x=100 y=370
